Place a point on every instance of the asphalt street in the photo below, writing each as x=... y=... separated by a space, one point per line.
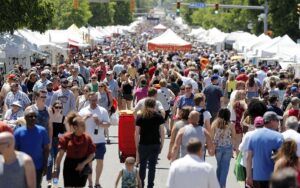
x=112 y=166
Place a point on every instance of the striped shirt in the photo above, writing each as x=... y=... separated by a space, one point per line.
x=19 y=96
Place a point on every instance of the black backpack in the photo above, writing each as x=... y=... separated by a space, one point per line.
x=201 y=119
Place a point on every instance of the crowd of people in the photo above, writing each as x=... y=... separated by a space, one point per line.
x=203 y=101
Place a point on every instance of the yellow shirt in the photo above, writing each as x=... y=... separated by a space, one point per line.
x=231 y=86
x=132 y=72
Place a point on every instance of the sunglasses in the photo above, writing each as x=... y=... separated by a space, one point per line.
x=94 y=78
x=58 y=107
x=101 y=86
x=43 y=97
x=86 y=90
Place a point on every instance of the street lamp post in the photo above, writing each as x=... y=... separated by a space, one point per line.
x=266 y=11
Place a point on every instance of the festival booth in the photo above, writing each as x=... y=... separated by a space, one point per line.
x=160 y=28
x=237 y=37
x=284 y=42
x=17 y=50
x=169 y=41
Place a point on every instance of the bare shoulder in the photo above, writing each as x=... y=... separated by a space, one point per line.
x=26 y=158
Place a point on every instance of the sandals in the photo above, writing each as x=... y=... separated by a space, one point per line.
x=98 y=186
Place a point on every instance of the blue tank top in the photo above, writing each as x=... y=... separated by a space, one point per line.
x=129 y=178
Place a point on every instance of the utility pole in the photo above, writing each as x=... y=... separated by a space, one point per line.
x=266 y=11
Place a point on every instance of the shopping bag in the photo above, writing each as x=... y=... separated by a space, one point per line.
x=238 y=168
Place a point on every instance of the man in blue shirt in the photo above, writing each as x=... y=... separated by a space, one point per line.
x=262 y=145
x=214 y=96
x=34 y=141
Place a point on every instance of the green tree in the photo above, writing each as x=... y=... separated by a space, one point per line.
x=122 y=15
x=66 y=15
x=227 y=19
x=284 y=18
x=33 y=14
x=102 y=14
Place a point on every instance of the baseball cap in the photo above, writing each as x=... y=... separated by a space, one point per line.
x=269 y=116
x=215 y=77
x=259 y=121
x=242 y=70
x=11 y=76
x=16 y=103
x=294 y=89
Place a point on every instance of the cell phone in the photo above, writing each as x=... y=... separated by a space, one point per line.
x=95 y=131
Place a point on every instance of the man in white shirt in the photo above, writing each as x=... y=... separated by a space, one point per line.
x=96 y=120
x=291 y=132
x=152 y=93
x=192 y=172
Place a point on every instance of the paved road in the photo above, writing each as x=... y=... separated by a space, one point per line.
x=112 y=166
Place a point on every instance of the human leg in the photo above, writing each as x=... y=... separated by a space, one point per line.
x=226 y=157
x=143 y=154
x=219 y=161
x=99 y=168
x=152 y=161
x=100 y=151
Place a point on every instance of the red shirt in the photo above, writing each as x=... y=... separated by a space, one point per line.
x=151 y=71
x=242 y=77
x=77 y=147
x=5 y=128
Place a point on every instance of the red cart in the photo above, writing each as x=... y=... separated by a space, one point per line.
x=126 y=135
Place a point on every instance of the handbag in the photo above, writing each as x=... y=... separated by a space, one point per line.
x=238 y=169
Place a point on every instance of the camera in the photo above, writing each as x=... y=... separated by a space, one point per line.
x=95 y=131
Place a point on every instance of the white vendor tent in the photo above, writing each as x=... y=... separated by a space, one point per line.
x=169 y=41
x=284 y=42
x=160 y=27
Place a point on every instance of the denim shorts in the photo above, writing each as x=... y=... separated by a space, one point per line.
x=100 y=151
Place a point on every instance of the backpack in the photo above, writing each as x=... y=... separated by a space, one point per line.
x=201 y=119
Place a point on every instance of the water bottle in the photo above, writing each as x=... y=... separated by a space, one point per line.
x=55 y=183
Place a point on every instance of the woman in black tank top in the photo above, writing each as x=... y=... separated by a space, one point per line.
x=58 y=127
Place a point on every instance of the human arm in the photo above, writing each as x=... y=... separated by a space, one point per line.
x=58 y=159
x=81 y=165
x=118 y=178
x=29 y=170
x=209 y=143
x=176 y=146
x=103 y=121
x=137 y=141
x=233 y=134
x=139 y=181
x=162 y=136
x=46 y=151
x=72 y=102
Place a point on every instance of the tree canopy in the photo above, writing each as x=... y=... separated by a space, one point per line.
x=33 y=14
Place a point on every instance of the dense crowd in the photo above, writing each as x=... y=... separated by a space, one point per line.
x=203 y=101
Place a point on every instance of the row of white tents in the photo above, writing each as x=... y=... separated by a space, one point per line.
x=262 y=46
x=25 y=45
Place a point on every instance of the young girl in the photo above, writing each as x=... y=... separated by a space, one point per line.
x=130 y=175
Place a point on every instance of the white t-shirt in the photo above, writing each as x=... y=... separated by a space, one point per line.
x=90 y=124
x=191 y=172
x=294 y=135
x=140 y=105
x=244 y=145
x=261 y=75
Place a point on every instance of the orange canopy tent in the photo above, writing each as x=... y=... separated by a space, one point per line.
x=169 y=41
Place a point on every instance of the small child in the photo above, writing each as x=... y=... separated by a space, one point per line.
x=130 y=175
